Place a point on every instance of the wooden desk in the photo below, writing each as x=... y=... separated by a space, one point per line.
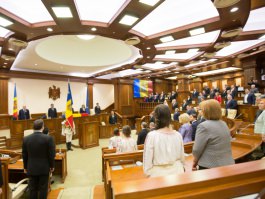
x=106 y=131
x=16 y=170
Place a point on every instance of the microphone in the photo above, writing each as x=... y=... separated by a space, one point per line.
x=240 y=131
x=238 y=116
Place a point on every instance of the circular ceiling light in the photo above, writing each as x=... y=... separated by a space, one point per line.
x=18 y=43
x=220 y=45
x=231 y=33
x=86 y=37
x=49 y=29
x=133 y=40
x=234 y=9
x=94 y=29
x=224 y=3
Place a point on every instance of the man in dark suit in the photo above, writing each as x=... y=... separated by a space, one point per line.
x=184 y=105
x=82 y=109
x=24 y=113
x=231 y=103
x=190 y=110
x=52 y=112
x=173 y=96
x=233 y=91
x=195 y=94
x=249 y=98
x=97 y=109
x=38 y=152
x=112 y=118
x=194 y=124
x=142 y=134
x=176 y=115
x=174 y=104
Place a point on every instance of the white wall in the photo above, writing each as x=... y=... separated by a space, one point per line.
x=34 y=94
x=103 y=94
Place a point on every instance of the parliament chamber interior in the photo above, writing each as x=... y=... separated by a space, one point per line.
x=140 y=98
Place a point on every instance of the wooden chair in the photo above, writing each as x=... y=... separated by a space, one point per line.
x=11 y=190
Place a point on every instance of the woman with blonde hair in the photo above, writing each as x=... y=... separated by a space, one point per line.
x=185 y=129
x=127 y=143
x=163 y=147
x=212 y=146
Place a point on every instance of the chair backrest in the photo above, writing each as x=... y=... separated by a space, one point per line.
x=231 y=113
x=5 y=188
x=3 y=142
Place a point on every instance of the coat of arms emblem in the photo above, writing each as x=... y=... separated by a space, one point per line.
x=54 y=92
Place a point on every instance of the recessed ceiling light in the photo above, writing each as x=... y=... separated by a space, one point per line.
x=234 y=9
x=49 y=29
x=170 y=52
x=10 y=49
x=148 y=57
x=197 y=31
x=262 y=37
x=149 y=2
x=62 y=12
x=4 y=22
x=5 y=63
x=148 y=48
x=86 y=37
x=94 y=29
x=166 y=39
x=128 y=20
x=35 y=64
x=159 y=62
x=193 y=50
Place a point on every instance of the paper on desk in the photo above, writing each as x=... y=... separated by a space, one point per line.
x=118 y=167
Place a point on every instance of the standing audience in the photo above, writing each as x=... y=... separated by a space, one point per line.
x=115 y=140
x=212 y=146
x=142 y=134
x=185 y=129
x=127 y=144
x=163 y=149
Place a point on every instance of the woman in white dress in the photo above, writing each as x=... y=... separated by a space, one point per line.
x=127 y=144
x=163 y=148
x=115 y=140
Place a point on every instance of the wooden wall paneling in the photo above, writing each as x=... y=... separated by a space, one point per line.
x=3 y=96
x=5 y=121
x=90 y=93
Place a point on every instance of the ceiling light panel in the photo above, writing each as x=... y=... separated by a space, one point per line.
x=256 y=20
x=128 y=72
x=206 y=38
x=179 y=13
x=92 y=10
x=4 y=22
x=166 y=39
x=200 y=63
x=178 y=56
x=149 y=2
x=155 y=66
x=62 y=12
x=197 y=31
x=4 y=32
x=170 y=52
x=238 y=47
x=128 y=20
x=213 y=72
x=31 y=11
x=193 y=50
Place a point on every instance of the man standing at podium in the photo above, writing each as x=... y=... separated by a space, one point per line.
x=23 y=113
x=52 y=112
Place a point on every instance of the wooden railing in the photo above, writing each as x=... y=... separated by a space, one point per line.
x=138 y=122
x=121 y=119
x=145 y=108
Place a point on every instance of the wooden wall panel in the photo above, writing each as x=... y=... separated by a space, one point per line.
x=3 y=96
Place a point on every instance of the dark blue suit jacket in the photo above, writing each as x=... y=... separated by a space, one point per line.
x=176 y=116
x=231 y=105
x=23 y=115
x=251 y=98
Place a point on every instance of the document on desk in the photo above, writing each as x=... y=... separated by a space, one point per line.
x=117 y=167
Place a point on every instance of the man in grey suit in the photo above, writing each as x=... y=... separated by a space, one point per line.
x=212 y=146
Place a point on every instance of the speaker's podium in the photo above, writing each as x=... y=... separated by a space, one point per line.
x=88 y=134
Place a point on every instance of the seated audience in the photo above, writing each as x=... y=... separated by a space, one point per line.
x=231 y=103
x=176 y=115
x=82 y=109
x=260 y=122
x=97 y=109
x=142 y=134
x=127 y=144
x=112 y=118
x=24 y=113
x=115 y=140
x=174 y=104
x=185 y=129
x=212 y=146
x=249 y=97
x=218 y=97
x=194 y=124
x=163 y=148
x=52 y=112
x=190 y=110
